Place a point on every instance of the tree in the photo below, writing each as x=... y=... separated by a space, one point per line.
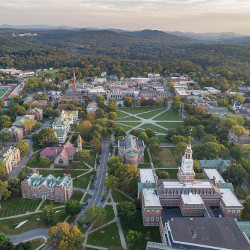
x=47 y=215
x=133 y=238
x=113 y=116
x=5 y=243
x=45 y=137
x=5 y=120
x=112 y=163
x=5 y=136
x=23 y=146
x=3 y=171
x=119 y=131
x=127 y=101
x=178 y=138
x=239 y=130
x=126 y=211
x=100 y=113
x=15 y=187
x=96 y=145
x=150 y=133
x=180 y=147
x=155 y=148
x=96 y=214
x=171 y=85
x=29 y=124
x=86 y=126
x=72 y=207
x=239 y=119
x=23 y=246
x=4 y=192
x=143 y=136
x=64 y=237
x=37 y=125
x=111 y=182
x=241 y=192
x=135 y=132
x=44 y=162
x=101 y=101
x=82 y=155
x=163 y=174
x=235 y=174
x=210 y=138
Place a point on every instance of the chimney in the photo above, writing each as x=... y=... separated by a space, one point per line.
x=74 y=80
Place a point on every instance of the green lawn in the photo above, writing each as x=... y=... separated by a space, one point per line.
x=172 y=172
x=60 y=173
x=144 y=165
x=83 y=181
x=131 y=124
x=34 y=161
x=77 y=195
x=8 y=226
x=162 y=138
x=120 y=114
x=16 y=206
x=128 y=118
x=166 y=158
x=169 y=115
x=77 y=165
x=152 y=232
x=118 y=197
x=151 y=113
x=154 y=128
x=126 y=128
x=4 y=91
x=137 y=110
x=36 y=243
x=169 y=125
x=109 y=213
x=51 y=203
x=91 y=160
x=106 y=237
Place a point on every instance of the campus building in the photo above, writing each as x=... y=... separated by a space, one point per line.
x=192 y=197
x=36 y=186
x=131 y=150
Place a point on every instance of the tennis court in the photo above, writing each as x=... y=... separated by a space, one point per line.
x=4 y=91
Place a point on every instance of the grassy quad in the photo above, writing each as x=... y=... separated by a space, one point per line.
x=83 y=181
x=169 y=115
x=167 y=158
x=15 y=206
x=137 y=110
x=118 y=197
x=152 y=113
x=59 y=173
x=106 y=237
x=169 y=125
x=154 y=128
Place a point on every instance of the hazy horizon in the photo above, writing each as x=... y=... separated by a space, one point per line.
x=199 y=16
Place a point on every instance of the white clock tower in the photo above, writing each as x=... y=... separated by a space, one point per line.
x=186 y=171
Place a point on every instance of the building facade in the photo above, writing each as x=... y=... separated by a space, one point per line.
x=10 y=157
x=57 y=189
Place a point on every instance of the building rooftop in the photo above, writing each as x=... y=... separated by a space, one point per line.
x=216 y=233
x=195 y=184
x=229 y=198
x=216 y=163
x=147 y=175
x=213 y=173
x=192 y=199
x=151 y=199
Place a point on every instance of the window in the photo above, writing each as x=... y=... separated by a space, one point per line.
x=233 y=211
x=152 y=218
x=147 y=218
x=229 y=211
x=157 y=211
x=238 y=211
x=157 y=218
x=152 y=211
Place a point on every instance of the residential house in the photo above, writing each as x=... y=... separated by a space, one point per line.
x=16 y=132
x=20 y=121
x=41 y=103
x=10 y=157
x=238 y=139
x=37 y=113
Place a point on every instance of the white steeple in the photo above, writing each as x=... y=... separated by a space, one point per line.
x=186 y=171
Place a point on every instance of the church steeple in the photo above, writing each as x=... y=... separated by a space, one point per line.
x=79 y=143
x=186 y=171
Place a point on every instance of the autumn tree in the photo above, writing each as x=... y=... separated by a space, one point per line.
x=48 y=215
x=111 y=182
x=96 y=214
x=100 y=113
x=29 y=124
x=133 y=238
x=239 y=130
x=23 y=146
x=163 y=174
x=96 y=145
x=4 y=192
x=82 y=155
x=64 y=237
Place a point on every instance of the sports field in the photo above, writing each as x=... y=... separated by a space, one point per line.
x=4 y=91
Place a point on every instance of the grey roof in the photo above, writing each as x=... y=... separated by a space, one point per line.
x=131 y=142
x=213 y=232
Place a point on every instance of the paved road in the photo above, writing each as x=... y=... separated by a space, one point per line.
x=39 y=232
x=23 y=163
x=99 y=183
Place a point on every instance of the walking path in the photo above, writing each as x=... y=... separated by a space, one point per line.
x=38 y=208
x=129 y=197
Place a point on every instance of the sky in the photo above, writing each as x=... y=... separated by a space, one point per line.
x=167 y=15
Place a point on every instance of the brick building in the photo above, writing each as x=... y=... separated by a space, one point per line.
x=36 y=186
x=38 y=113
x=16 y=132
